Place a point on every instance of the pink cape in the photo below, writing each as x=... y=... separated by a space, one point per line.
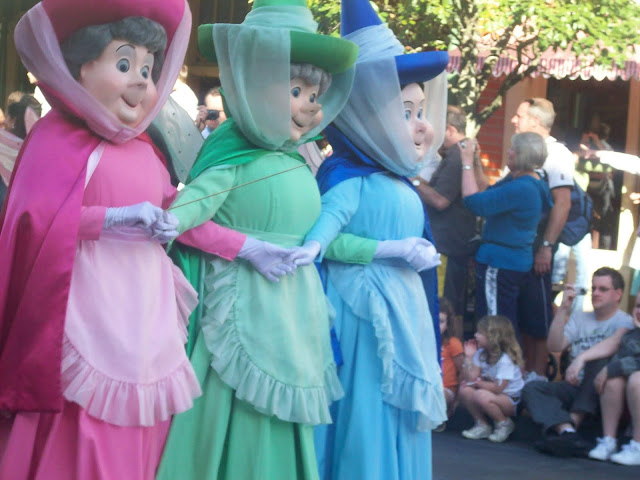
x=41 y=215
x=38 y=234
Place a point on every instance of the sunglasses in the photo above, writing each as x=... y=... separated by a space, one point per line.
x=584 y=291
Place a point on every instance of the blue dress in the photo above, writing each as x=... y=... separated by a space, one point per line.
x=390 y=372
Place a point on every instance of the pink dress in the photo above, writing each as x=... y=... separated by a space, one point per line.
x=124 y=367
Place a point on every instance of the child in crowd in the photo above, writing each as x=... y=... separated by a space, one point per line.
x=452 y=355
x=492 y=379
x=620 y=378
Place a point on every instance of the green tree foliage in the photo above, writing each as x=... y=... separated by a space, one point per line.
x=596 y=31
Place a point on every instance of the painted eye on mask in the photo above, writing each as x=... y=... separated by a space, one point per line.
x=312 y=98
x=295 y=92
x=123 y=65
x=145 y=72
x=407 y=115
x=420 y=114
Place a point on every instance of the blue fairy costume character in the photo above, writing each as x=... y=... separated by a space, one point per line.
x=386 y=310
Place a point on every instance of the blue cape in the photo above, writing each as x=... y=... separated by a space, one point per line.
x=346 y=162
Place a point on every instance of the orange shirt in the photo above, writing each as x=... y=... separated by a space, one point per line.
x=449 y=372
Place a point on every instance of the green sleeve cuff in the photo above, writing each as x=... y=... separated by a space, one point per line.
x=348 y=248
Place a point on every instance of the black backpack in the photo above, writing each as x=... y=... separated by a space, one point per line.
x=580 y=215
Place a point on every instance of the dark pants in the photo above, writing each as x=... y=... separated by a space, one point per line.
x=550 y=403
x=455 y=281
x=535 y=304
x=497 y=292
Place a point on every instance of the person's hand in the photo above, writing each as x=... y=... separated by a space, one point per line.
x=467 y=149
x=165 y=229
x=573 y=371
x=600 y=380
x=568 y=296
x=542 y=261
x=470 y=348
x=423 y=256
x=266 y=258
x=418 y=252
x=476 y=384
x=304 y=255
x=201 y=117
x=141 y=215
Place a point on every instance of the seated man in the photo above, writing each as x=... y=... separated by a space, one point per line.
x=561 y=406
x=618 y=380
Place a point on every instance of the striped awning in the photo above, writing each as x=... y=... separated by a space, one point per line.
x=557 y=65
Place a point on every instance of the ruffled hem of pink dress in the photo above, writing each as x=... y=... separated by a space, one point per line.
x=131 y=404
x=123 y=403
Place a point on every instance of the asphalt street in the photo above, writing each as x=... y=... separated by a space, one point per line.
x=456 y=458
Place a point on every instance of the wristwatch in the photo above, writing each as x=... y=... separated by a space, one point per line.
x=547 y=243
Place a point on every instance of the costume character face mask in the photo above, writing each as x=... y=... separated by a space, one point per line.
x=120 y=79
x=420 y=129
x=306 y=111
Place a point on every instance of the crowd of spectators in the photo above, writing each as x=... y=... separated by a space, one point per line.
x=524 y=214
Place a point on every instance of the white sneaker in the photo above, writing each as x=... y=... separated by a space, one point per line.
x=629 y=455
x=478 y=431
x=502 y=430
x=604 y=449
x=534 y=377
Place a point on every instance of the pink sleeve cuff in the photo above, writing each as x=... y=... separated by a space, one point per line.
x=212 y=238
x=91 y=222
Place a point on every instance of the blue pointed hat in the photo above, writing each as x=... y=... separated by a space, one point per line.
x=412 y=67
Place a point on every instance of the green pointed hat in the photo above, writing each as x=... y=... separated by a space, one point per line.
x=333 y=54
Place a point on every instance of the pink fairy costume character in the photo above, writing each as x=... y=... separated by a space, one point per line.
x=93 y=313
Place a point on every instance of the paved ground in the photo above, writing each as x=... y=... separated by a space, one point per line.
x=456 y=458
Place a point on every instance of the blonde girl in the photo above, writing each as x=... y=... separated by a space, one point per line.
x=492 y=379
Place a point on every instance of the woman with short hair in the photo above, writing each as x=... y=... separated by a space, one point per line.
x=512 y=209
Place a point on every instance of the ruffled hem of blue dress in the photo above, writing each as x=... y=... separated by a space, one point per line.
x=399 y=387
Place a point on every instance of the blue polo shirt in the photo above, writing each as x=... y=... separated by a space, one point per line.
x=512 y=209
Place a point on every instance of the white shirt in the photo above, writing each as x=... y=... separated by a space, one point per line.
x=559 y=164
x=503 y=369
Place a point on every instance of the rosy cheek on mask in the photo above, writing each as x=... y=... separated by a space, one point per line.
x=429 y=136
x=317 y=119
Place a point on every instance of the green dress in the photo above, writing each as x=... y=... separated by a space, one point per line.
x=263 y=353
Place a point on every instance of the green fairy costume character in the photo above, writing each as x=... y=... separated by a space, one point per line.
x=262 y=350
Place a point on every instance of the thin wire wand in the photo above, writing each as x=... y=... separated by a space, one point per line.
x=236 y=186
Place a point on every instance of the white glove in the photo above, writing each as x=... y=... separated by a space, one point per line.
x=419 y=253
x=266 y=257
x=304 y=255
x=424 y=257
x=141 y=215
x=166 y=228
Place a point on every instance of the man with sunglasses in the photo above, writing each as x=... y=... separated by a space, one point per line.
x=561 y=406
